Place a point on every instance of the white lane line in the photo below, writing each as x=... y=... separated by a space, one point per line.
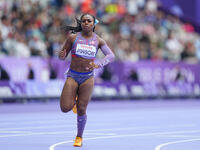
x=33 y=118
x=37 y=133
x=72 y=125
x=179 y=136
x=175 y=142
x=64 y=126
x=50 y=133
x=27 y=122
x=15 y=132
x=181 y=125
x=97 y=130
x=52 y=147
x=2 y=125
x=99 y=133
x=72 y=131
x=37 y=127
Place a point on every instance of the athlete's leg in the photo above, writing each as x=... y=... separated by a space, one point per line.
x=84 y=96
x=68 y=94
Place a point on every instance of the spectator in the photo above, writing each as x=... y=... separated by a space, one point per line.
x=135 y=29
x=174 y=47
x=106 y=74
x=3 y=51
x=52 y=72
x=133 y=76
x=197 y=47
x=189 y=53
x=3 y=74
x=179 y=76
x=5 y=26
x=31 y=74
x=21 y=47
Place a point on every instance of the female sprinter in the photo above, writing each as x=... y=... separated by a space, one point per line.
x=83 y=45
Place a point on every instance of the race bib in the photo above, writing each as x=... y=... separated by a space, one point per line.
x=85 y=50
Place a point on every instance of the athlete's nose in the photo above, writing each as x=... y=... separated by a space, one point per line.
x=86 y=22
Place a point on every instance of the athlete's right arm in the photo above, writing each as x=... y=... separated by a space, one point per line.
x=63 y=53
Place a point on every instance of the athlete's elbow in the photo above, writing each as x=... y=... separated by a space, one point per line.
x=112 y=56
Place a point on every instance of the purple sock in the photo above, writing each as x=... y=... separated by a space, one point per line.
x=81 y=121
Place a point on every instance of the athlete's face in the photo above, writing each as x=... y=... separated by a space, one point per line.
x=87 y=23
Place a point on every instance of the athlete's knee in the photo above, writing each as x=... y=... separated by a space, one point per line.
x=66 y=108
x=65 y=105
x=81 y=109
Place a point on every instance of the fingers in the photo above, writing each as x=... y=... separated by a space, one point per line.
x=62 y=54
x=87 y=68
x=91 y=66
x=95 y=66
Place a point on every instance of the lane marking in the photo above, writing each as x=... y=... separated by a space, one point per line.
x=37 y=127
x=51 y=133
x=27 y=122
x=72 y=125
x=96 y=130
x=72 y=131
x=38 y=133
x=64 y=126
x=175 y=142
x=49 y=123
x=178 y=136
x=15 y=131
x=100 y=133
x=52 y=147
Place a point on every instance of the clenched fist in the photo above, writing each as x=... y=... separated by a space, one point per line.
x=62 y=54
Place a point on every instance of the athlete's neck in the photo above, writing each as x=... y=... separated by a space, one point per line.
x=86 y=35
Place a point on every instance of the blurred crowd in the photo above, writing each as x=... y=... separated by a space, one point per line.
x=134 y=29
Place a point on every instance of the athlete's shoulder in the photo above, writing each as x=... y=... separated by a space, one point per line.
x=101 y=40
x=72 y=37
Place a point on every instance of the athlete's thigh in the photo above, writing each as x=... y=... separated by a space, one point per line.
x=85 y=92
x=68 y=93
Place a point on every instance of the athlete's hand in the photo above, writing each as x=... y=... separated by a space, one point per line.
x=92 y=66
x=62 y=54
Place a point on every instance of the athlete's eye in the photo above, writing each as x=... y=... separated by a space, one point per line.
x=83 y=21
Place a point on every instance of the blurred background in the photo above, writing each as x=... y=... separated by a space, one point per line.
x=156 y=43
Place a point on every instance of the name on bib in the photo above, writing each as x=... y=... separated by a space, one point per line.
x=85 y=50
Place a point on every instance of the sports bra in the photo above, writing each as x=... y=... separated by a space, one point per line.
x=85 y=48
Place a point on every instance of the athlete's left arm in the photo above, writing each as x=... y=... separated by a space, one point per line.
x=109 y=55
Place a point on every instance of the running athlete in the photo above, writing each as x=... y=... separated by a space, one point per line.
x=83 y=45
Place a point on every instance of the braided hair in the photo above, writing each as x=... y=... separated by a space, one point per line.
x=78 y=28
